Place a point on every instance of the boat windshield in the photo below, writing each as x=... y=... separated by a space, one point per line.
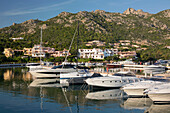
x=65 y=66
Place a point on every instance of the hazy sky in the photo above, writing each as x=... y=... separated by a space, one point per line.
x=18 y=11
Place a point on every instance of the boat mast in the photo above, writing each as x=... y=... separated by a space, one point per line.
x=77 y=42
x=40 y=45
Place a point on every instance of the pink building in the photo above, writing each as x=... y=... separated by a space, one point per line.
x=61 y=53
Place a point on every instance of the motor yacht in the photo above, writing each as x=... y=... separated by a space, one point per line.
x=53 y=72
x=160 y=93
x=77 y=77
x=116 y=80
x=137 y=89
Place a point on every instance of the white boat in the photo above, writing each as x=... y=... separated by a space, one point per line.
x=79 y=75
x=137 y=89
x=106 y=94
x=116 y=80
x=160 y=93
x=53 y=72
x=154 y=67
x=76 y=77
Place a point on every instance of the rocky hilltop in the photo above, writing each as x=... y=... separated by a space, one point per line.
x=138 y=12
x=107 y=26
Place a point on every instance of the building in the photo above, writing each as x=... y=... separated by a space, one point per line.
x=27 y=51
x=91 y=53
x=127 y=54
x=136 y=46
x=61 y=53
x=124 y=42
x=167 y=47
x=37 y=51
x=95 y=42
x=110 y=52
x=19 y=38
x=48 y=50
x=96 y=53
x=8 y=52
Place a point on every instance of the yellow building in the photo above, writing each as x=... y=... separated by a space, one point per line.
x=8 y=52
x=27 y=51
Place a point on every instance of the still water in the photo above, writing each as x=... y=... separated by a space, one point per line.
x=16 y=96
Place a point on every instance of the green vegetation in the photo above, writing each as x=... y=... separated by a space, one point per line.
x=59 y=32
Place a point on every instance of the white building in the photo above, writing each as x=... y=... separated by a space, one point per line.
x=110 y=52
x=91 y=53
x=19 y=38
x=96 y=53
x=37 y=51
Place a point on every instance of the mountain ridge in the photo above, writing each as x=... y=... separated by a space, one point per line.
x=153 y=27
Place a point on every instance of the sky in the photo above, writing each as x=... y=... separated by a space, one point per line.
x=18 y=11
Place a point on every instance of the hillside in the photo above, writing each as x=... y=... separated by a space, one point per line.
x=135 y=25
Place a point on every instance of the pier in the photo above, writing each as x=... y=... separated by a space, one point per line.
x=134 y=66
x=12 y=65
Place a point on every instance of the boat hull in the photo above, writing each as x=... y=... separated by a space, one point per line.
x=110 y=82
x=160 y=97
x=135 y=92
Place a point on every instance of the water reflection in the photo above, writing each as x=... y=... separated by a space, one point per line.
x=49 y=95
x=106 y=94
x=137 y=103
x=159 y=108
x=16 y=73
x=47 y=83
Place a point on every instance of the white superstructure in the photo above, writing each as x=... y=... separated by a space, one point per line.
x=117 y=80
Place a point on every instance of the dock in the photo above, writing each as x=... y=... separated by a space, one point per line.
x=135 y=66
x=12 y=65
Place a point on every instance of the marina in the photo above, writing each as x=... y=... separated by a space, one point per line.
x=71 y=56
x=49 y=95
